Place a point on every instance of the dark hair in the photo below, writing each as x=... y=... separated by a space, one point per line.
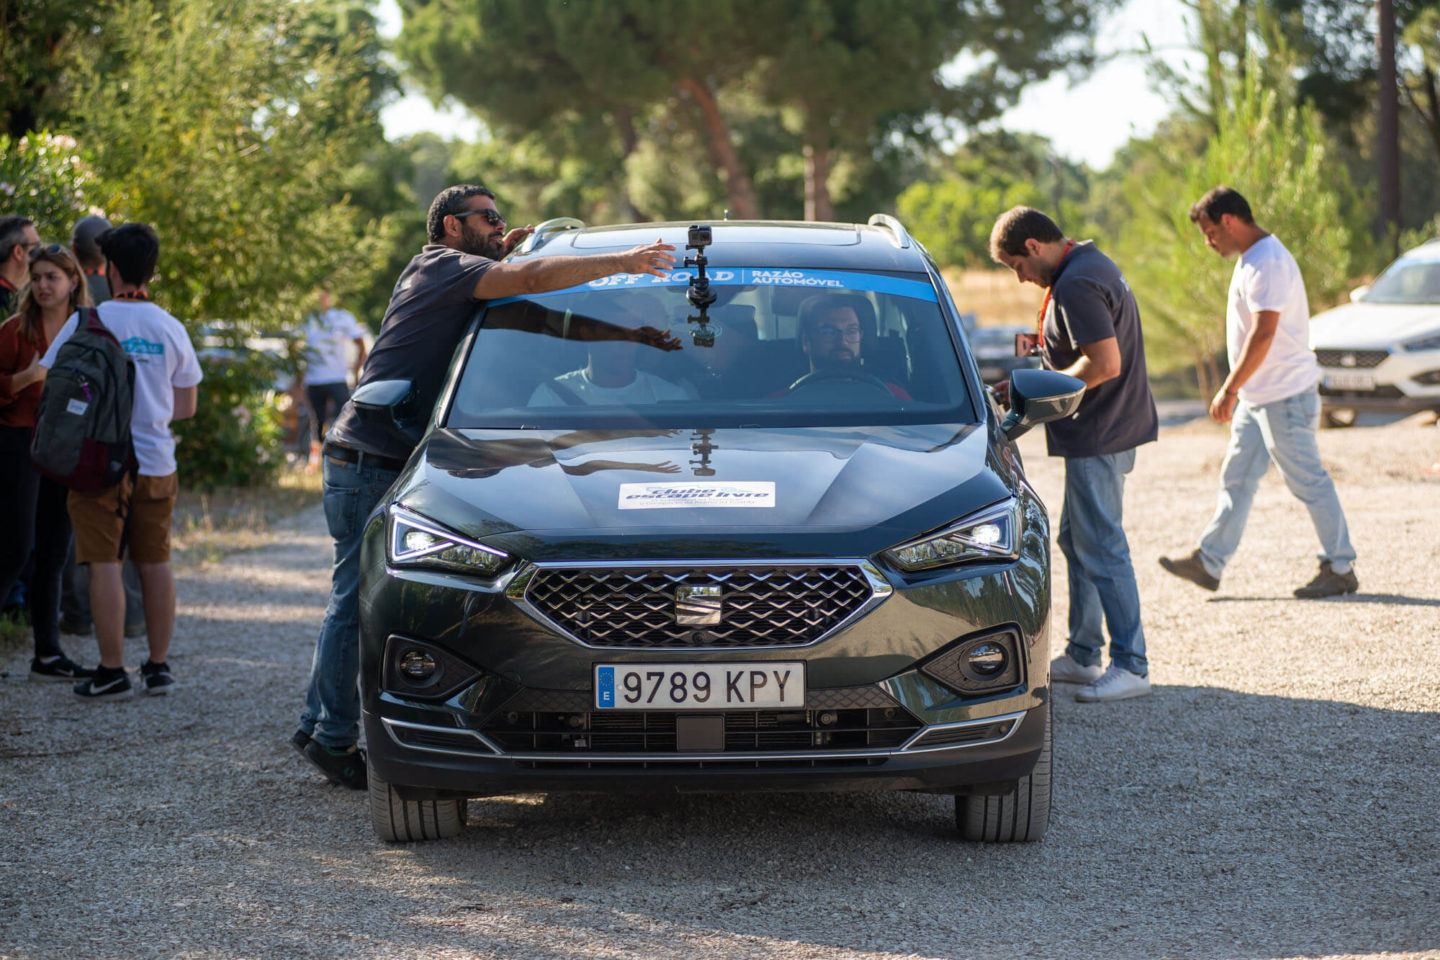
x=1018 y=224
x=1218 y=202
x=83 y=240
x=29 y=309
x=134 y=249
x=12 y=233
x=815 y=307
x=448 y=202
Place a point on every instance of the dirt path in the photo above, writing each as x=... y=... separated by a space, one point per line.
x=1276 y=797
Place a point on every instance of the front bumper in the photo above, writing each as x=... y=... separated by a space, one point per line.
x=1395 y=381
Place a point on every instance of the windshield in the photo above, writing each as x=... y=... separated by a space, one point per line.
x=1406 y=282
x=776 y=348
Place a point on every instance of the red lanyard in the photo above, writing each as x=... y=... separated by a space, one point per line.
x=1045 y=304
x=132 y=295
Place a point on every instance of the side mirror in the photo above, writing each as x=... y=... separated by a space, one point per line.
x=388 y=404
x=1358 y=293
x=1039 y=396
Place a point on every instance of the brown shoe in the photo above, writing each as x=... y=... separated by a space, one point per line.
x=1328 y=583
x=1191 y=568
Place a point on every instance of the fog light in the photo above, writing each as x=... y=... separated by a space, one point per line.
x=418 y=665
x=986 y=659
x=828 y=718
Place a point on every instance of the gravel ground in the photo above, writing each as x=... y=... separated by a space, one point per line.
x=1276 y=797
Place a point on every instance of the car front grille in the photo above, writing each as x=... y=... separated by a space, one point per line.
x=749 y=606
x=1357 y=359
x=654 y=732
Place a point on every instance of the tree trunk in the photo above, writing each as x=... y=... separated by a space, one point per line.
x=817 y=181
x=1388 y=225
x=737 y=182
x=629 y=143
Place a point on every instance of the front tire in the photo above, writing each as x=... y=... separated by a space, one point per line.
x=1020 y=816
x=397 y=820
x=1337 y=417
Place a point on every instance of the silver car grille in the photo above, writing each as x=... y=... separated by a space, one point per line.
x=644 y=608
x=1352 y=359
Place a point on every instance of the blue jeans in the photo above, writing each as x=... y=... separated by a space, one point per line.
x=332 y=702
x=1102 y=580
x=1283 y=431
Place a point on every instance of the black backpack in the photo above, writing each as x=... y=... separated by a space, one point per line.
x=82 y=427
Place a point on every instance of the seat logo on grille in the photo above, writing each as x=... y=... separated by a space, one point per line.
x=698 y=605
x=1347 y=360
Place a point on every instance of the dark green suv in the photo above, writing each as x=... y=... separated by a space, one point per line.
x=755 y=525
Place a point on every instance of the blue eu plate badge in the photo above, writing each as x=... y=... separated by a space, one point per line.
x=605 y=686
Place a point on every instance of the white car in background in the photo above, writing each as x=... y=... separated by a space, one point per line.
x=1382 y=351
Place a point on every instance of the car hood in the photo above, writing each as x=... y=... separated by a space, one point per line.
x=845 y=491
x=1373 y=325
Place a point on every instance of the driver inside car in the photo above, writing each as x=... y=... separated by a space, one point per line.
x=832 y=336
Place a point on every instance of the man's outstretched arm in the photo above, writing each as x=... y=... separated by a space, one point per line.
x=556 y=273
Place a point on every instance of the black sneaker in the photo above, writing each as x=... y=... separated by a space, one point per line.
x=61 y=668
x=106 y=685
x=300 y=740
x=1328 y=583
x=345 y=767
x=155 y=679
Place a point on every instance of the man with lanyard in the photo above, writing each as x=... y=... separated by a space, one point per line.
x=17 y=239
x=429 y=310
x=1089 y=327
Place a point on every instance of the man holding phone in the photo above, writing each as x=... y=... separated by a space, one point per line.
x=1089 y=327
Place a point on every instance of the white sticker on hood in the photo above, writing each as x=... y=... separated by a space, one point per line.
x=661 y=496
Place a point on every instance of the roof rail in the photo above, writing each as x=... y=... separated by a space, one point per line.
x=544 y=231
x=899 y=236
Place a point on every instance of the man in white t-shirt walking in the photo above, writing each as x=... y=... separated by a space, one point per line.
x=1270 y=399
x=134 y=515
x=328 y=335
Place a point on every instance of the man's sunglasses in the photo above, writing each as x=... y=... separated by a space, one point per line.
x=38 y=251
x=491 y=217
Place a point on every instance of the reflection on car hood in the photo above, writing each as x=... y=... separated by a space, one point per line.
x=855 y=489
x=1373 y=325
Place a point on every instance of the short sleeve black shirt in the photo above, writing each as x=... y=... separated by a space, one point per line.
x=1091 y=301
x=429 y=309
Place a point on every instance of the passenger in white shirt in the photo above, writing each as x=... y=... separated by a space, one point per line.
x=1270 y=399
x=134 y=515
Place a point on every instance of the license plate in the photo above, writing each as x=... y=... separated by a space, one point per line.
x=1350 y=381
x=699 y=686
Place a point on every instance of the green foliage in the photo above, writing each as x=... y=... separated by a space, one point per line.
x=233 y=140
x=1276 y=154
x=44 y=178
x=234 y=437
x=39 y=43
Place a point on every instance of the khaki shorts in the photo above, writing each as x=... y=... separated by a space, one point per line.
x=144 y=525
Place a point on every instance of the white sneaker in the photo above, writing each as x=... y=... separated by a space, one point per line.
x=1116 y=684
x=1065 y=669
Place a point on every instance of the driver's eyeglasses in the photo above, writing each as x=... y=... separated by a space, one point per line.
x=851 y=334
x=37 y=251
x=492 y=217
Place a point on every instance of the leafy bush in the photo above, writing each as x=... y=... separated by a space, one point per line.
x=43 y=177
x=234 y=437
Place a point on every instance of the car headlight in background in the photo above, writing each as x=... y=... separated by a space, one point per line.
x=1431 y=342
x=991 y=534
x=417 y=541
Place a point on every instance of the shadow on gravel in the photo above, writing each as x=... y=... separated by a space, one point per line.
x=1392 y=599
x=1198 y=822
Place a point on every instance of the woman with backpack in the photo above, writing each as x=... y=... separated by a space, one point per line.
x=32 y=507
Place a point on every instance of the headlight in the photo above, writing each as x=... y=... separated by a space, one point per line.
x=1431 y=342
x=989 y=534
x=416 y=541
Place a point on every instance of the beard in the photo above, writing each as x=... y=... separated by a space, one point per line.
x=484 y=244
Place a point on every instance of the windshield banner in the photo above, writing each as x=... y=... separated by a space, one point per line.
x=755 y=277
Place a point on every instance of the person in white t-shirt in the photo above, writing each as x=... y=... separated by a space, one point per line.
x=134 y=515
x=328 y=336
x=610 y=377
x=1270 y=399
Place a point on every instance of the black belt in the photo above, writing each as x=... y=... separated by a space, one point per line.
x=362 y=459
